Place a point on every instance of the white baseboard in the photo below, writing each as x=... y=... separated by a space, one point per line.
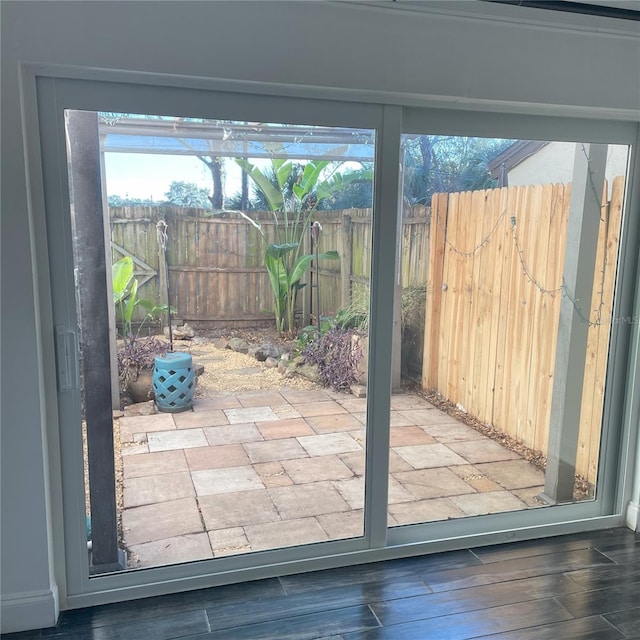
x=633 y=516
x=30 y=610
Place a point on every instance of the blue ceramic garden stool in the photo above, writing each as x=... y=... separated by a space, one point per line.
x=174 y=382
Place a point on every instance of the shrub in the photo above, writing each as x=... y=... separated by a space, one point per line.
x=137 y=355
x=337 y=355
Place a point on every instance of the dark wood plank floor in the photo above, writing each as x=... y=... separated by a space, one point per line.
x=577 y=587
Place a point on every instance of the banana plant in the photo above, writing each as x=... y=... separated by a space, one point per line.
x=292 y=209
x=126 y=300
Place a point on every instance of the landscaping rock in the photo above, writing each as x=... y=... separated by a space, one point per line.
x=221 y=343
x=141 y=409
x=264 y=351
x=271 y=362
x=198 y=369
x=185 y=332
x=283 y=367
x=238 y=344
x=309 y=371
x=359 y=390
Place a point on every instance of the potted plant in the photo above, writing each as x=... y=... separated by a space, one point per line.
x=136 y=353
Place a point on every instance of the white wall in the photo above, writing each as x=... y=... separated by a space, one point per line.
x=404 y=56
x=554 y=163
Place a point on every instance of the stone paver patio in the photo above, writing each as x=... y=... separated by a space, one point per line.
x=263 y=470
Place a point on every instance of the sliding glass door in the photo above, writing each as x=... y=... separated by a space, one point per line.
x=362 y=338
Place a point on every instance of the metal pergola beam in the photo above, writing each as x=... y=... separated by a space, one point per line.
x=176 y=136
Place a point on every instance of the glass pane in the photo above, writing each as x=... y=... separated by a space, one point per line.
x=234 y=295
x=520 y=233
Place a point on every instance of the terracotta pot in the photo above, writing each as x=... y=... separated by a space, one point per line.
x=141 y=389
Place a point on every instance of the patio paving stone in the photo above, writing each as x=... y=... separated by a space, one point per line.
x=163 y=520
x=302 y=397
x=212 y=404
x=273 y=474
x=352 y=491
x=300 y=501
x=284 y=428
x=492 y=502
x=228 y=480
x=274 y=450
x=409 y=401
x=131 y=449
x=338 y=526
x=264 y=476
x=407 y=436
x=261 y=399
x=426 y=456
x=193 y=419
x=452 y=432
x=177 y=439
x=150 y=464
x=133 y=431
x=433 y=483
x=530 y=496
x=250 y=414
x=216 y=457
x=154 y=489
x=232 y=434
x=333 y=423
x=317 y=469
x=513 y=474
x=424 y=511
x=237 y=509
x=483 y=450
x=355 y=460
x=472 y=476
x=423 y=417
x=226 y=542
x=354 y=405
x=188 y=548
x=328 y=443
x=326 y=407
x=147 y=424
x=285 y=534
x=399 y=419
x=286 y=412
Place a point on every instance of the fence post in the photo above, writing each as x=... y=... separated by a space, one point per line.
x=307 y=292
x=573 y=327
x=345 y=258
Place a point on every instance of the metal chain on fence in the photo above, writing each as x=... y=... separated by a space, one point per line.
x=481 y=245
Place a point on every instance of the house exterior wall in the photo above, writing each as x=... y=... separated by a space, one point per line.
x=399 y=55
x=554 y=163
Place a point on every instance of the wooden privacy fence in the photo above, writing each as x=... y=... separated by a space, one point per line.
x=216 y=264
x=493 y=303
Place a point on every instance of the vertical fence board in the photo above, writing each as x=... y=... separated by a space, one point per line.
x=491 y=315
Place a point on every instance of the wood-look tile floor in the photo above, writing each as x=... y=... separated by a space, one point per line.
x=576 y=587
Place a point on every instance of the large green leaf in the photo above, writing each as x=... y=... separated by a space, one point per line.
x=282 y=168
x=339 y=181
x=121 y=275
x=277 y=251
x=273 y=196
x=302 y=264
x=311 y=174
x=131 y=302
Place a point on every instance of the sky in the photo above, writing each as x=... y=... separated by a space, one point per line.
x=146 y=176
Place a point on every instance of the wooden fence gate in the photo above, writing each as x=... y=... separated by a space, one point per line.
x=493 y=303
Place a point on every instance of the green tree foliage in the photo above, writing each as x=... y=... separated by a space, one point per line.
x=119 y=201
x=187 y=194
x=446 y=164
